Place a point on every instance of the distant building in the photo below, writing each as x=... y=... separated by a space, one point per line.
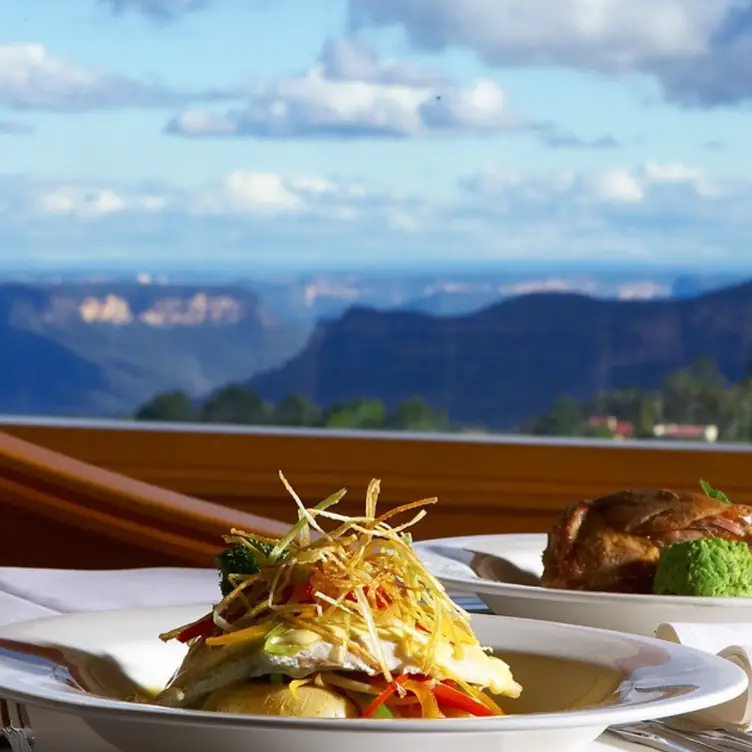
x=686 y=432
x=623 y=429
x=620 y=429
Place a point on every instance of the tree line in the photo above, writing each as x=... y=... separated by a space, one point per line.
x=238 y=405
x=696 y=395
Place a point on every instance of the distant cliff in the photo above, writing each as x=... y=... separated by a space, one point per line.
x=510 y=361
x=94 y=349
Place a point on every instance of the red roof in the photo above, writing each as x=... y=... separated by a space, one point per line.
x=686 y=431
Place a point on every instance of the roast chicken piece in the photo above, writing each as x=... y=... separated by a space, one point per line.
x=613 y=543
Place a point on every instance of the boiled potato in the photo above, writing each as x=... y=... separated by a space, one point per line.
x=260 y=698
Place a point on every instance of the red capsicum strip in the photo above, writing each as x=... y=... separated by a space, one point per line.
x=200 y=629
x=452 y=698
x=384 y=696
x=204 y=627
x=307 y=594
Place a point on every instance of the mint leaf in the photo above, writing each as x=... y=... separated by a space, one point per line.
x=708 y=490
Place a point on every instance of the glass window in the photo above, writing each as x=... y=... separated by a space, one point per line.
x=425 y=215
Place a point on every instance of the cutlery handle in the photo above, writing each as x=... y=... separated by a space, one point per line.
x=665 y=741
x=14 y=740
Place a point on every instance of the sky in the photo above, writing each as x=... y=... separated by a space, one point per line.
x=311 y=134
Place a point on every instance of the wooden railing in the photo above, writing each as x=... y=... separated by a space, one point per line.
x=61 y=512
x=483 y=484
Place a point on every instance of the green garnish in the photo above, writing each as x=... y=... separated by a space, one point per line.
x=241 y=559
x=714 y=493
x=301 y=528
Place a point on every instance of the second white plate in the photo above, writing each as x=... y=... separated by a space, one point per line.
x=504 y=570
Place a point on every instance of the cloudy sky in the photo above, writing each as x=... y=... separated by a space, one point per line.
x=314 y=133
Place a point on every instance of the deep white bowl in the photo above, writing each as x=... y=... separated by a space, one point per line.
x=503 y=571
x=578 y=681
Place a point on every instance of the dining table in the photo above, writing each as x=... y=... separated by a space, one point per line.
x=28 y=593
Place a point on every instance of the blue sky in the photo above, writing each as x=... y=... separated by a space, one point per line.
x=311 y=133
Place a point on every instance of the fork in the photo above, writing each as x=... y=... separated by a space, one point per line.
x=662 y=736
x=15 y=727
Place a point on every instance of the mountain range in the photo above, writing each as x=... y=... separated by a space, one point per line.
x=102 y=349
x=326 y=296
x=508 y=362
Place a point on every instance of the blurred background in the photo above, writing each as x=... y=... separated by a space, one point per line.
x=232 y=226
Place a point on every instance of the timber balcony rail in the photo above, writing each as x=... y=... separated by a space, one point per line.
x=489 y=484
x=61 y=512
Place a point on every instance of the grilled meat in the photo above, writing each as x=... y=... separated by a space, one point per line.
x=613 y=543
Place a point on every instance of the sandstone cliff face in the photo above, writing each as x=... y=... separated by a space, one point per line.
x=122 y=343
x=165 y=310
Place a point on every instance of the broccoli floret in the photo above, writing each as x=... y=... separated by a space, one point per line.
x=707 y=567
x=239 y=560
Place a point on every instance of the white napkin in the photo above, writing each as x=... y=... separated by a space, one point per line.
x=36 y=593
x=730 y=641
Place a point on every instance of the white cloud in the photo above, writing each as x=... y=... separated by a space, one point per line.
x=250 y=192
x=310 y=184
x=671 y=172
x=68 y=200
x=699 y=50
x=32 y=78
x=650 y=212
x=92 y=201
x=678 y=174
x=349 y=93
x=351 y=60
x=602 y=34
x=651 y=184
x=618 y=186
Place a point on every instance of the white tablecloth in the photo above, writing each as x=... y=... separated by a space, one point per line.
x=33 y=593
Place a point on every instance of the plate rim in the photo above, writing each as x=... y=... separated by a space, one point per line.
x=730 y=682
x=491 y=587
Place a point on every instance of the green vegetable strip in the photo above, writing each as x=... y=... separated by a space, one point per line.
x=302 y=524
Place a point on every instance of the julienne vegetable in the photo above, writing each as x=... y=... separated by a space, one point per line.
x=350 y=624
x=201 y=628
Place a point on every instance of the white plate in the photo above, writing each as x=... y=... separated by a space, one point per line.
x=578 y=680
x=502 y=570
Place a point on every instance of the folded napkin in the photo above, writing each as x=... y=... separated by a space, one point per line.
x=35 y=593
x=730 y=641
